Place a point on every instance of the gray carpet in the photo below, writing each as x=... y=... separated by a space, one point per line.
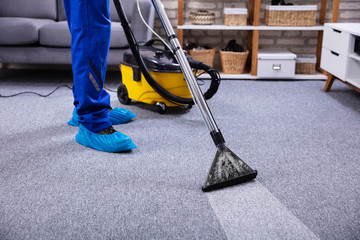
x=303 y=142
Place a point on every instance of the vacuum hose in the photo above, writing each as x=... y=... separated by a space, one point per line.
x=215 y=77
x=134 y=46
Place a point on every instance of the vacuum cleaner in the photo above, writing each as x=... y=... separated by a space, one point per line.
x=166 y=72
x=227 y=168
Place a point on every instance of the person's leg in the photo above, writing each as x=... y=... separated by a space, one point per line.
x=90 y=27
x=90 y=31
x=117 y=115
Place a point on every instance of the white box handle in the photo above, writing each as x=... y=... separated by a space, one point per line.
x=276 y=67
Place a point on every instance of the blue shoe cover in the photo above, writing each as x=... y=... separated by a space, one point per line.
x=74 y=121
x=116 y=142
x=120 y=116
x=117 y=116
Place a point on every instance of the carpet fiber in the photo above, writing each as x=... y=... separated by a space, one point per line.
x=303 y=142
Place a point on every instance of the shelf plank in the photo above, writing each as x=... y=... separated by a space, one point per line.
x=316 y=76
x=247 y=76
x=189 y=26
x=291 y=28
x=355 y=56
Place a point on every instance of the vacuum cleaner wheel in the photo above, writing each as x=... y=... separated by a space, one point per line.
x=161 y=107
x=122 y=94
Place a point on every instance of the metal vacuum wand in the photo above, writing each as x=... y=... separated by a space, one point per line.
x=189 y=76
x=227 y=168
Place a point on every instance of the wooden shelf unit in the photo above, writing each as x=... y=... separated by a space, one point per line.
x=254 y=28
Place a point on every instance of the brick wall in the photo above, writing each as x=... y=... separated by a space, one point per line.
x=296 y=41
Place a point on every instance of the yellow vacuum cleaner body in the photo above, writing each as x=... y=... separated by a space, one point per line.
x=163 y=68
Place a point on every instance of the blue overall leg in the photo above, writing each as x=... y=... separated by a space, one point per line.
x=90 y=27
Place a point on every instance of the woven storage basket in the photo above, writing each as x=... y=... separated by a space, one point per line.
x=235 y=16
x=305 y=68
x=202 y=17
x=206 y=56
x=305 y=64
x=290 y=15
x=233 y=62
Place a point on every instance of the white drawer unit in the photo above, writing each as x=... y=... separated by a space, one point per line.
x=336 y=40
x=339 y=56
x=335 y=63
x=276 y=64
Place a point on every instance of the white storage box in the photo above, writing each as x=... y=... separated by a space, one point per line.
x=276 y=64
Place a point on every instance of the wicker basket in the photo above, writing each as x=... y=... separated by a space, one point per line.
x=305 y=64
x=202 y=17
x=233 y=62
x=305 y=68
x=206 y=56
x=235 y=16
x=290 y=15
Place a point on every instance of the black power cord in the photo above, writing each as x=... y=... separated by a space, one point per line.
x=46 y=95
x=38 y=94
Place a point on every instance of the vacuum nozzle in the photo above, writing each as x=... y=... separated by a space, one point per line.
x=226 y=170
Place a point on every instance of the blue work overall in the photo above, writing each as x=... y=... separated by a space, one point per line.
x=90 y=27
